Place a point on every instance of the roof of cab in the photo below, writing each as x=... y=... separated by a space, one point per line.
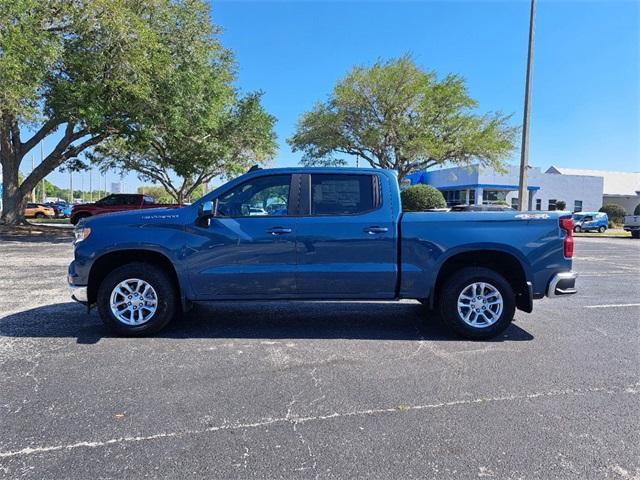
x=322 y=170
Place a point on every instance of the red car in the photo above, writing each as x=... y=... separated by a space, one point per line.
x=117 y=202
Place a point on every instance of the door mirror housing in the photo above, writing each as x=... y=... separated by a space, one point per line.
x=207 y=209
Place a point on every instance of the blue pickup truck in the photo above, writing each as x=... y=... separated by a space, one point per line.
x=319 y=233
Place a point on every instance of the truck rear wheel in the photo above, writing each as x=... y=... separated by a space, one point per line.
x=477 y=303
x=137 y=299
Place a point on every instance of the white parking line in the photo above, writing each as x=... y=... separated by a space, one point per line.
x=609 y=274
x=614 y=305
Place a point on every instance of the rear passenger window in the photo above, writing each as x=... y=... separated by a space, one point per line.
x=342 y=194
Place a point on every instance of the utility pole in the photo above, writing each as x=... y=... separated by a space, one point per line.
x=523 y=191
x=42 y=160
x=33 y=192
x=90 y=186
x=70 y=187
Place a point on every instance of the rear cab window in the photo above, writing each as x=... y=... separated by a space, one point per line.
x=344 y=194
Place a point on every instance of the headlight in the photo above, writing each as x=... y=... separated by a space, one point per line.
x=82 y=233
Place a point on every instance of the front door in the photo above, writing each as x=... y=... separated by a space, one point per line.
x=346 y=242
x=248 y=249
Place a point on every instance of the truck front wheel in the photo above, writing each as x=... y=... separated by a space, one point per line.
x=477 y=303
x=137 y=299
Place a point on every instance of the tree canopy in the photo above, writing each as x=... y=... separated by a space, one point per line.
x=183 y=149
x=93 y=70
x=194 y=125
x=77 y=69
x=396 y=116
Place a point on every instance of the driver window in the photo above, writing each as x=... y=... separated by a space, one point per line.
x=258 y=197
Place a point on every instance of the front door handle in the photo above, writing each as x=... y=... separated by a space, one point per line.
x=279 y=231
x=375 y=229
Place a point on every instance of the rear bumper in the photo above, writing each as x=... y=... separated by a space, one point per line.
x=563 y=283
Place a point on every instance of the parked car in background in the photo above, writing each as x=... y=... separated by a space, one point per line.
x=590 y=222
x=632 y=224
x=339 y=234
x=38 y=210
x=257 y=211
x=61 y=209
x=116 y=202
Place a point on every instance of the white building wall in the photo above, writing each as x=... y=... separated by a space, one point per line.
x=628 y=202
x=567 y=188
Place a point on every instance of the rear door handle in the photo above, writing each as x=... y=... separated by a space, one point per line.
x=374 y=229
x=279 y=231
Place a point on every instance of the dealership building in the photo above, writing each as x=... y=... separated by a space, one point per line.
x=581 y=190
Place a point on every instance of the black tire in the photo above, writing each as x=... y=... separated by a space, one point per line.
x=461 y=280
x=39 y=215
x=577 y=229
x=635 y=234
x=602 y=229
x=167 y=298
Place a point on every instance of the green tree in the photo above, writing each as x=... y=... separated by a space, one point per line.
x=615 y=212
x=161 y=195
x=195 y=125
x=419 y=198
x=186 y=149
x=79 y=71
x=396 y=116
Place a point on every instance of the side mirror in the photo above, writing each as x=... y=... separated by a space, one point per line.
x=207 y=209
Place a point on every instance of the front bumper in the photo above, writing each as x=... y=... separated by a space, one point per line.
x=79 y=293
x=563 y=283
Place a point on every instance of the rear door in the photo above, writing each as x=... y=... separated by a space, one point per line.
x=346 y=240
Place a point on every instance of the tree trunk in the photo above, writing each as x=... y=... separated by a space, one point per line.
x=13 y=197
x=12 y=152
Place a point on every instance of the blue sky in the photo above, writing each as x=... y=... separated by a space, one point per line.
x=586 y=76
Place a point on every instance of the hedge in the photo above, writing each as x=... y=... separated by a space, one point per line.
x=419 y=198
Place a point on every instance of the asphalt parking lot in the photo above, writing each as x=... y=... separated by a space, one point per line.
x=320 y=389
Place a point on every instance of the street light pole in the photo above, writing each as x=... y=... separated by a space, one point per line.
x=42 y=160
x=523 y=192
x=33 y=192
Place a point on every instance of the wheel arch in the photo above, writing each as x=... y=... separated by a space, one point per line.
x=504 y=262
x=74 y=218
x=108 y=262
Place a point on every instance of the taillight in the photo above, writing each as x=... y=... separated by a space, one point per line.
x=567 y=225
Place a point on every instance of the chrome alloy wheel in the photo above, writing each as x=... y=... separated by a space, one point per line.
x=133 y=301
x=480 y=304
